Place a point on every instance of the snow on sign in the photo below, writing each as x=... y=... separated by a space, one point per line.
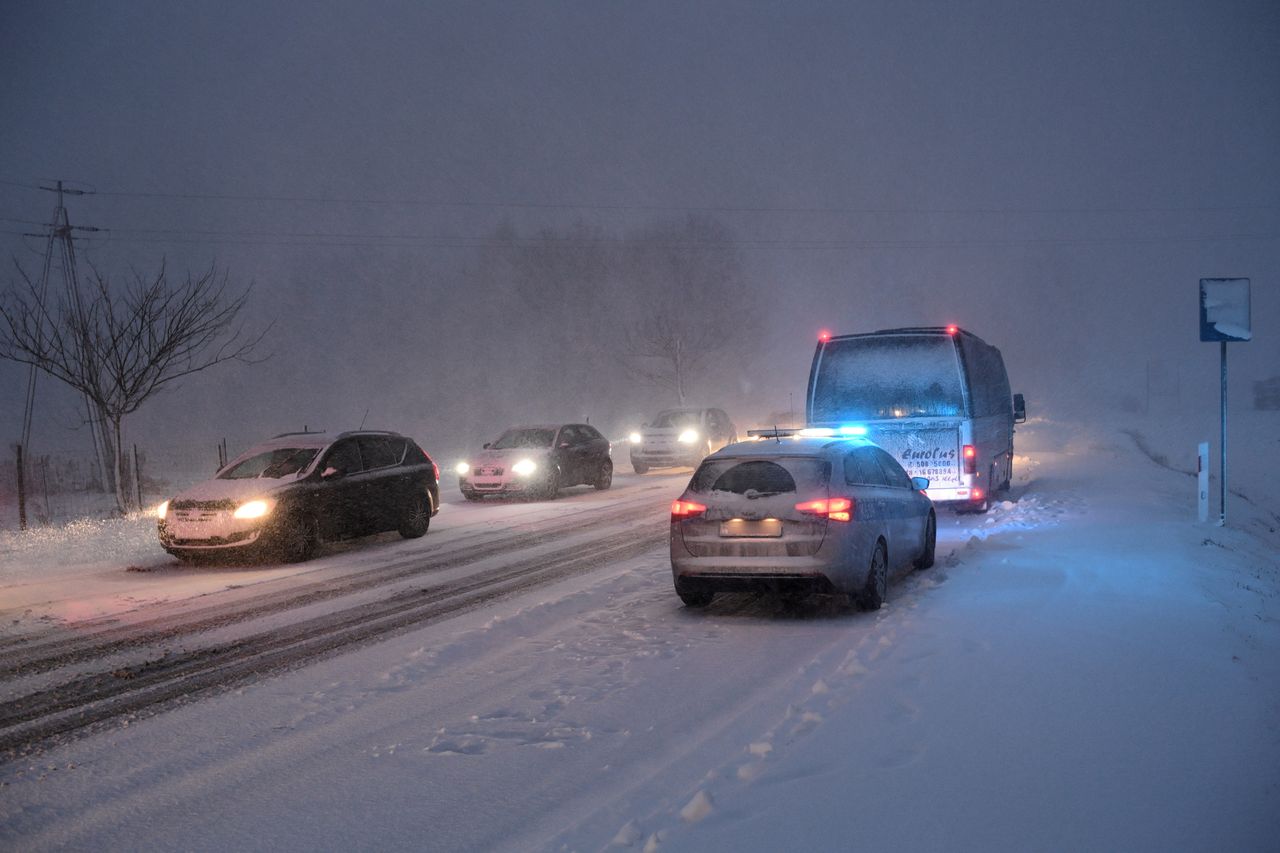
x=1224 y=309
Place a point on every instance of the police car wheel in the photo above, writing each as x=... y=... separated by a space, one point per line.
x=925 y=560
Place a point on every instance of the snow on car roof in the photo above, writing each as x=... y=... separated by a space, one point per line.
x=308 y=439
x=791 y=445
x=538 y=426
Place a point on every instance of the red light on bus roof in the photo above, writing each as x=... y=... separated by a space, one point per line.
x=824 y=336
x=951 y=330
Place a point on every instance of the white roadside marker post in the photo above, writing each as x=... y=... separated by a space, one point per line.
x=1202 y=480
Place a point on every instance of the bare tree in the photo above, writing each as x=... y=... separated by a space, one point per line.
x=665 y=350
x=685 y=281
x=120 y=346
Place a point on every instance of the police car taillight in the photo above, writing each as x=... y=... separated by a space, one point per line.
x=836 y=509
x=686 y=509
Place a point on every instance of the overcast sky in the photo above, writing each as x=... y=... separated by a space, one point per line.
x=1054 y=176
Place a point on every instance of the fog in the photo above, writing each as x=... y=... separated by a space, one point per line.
x=455 y=215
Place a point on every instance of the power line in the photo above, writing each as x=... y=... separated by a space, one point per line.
x=402 y=241
x=650 y=208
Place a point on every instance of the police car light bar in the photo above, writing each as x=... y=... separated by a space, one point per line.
x=783 y=432
x=816 y=432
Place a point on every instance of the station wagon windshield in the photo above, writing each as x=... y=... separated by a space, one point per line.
x=517 y=438
x=875 y=378
x=272 y=464
x=676 y=419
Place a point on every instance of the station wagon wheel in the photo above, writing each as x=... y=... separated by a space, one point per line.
x=417 y=520
x=299 y=536
x=605 y=478
x=925 y=560
x=873 y=592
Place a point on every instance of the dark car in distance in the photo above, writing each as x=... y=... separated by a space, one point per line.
x=281 y=498
x=538 y=461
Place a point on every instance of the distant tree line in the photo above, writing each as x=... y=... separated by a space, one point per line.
x=659 y=308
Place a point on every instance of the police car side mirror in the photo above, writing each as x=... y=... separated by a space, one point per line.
x=919 y=483
x=1019 y=409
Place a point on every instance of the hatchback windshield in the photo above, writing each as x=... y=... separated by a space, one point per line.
x=517 y=438
x=273 y=464
x=676 y=419
x=893 y=376
x=761 y=476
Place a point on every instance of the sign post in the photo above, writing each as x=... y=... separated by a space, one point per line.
x=1224 y=317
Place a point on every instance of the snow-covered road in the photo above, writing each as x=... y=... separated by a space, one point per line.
x=1085 y=668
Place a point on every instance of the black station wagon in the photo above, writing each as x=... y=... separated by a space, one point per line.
x=281 y=498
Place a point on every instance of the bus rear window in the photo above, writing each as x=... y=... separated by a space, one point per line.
x=877 y=378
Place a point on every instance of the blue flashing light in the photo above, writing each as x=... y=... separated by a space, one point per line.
x=853 y=430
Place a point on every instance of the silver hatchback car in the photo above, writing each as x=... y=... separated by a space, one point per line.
x=798 y=511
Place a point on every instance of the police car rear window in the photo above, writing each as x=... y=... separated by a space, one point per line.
x=763 y=476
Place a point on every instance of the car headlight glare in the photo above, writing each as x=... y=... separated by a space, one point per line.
x=162 y=510
x=689 y=436
x=253 y=509
x=463 y=469
x=525 y=467
x=636 y=438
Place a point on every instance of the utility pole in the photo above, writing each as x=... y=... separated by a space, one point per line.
x=60 y=239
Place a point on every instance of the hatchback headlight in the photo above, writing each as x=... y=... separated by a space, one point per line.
x=463 y=469
x=636 y=438
x=253 y=509
x=525 y=467
x=162 y=510
x=689 y=436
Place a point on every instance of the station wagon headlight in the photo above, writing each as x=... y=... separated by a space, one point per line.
x=689 y=436
x=463 y=469
x=253 y=509
x=162 y=510
x=636 y=438
x=525 y=467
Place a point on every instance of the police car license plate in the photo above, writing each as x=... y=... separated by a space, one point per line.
x=744 y=528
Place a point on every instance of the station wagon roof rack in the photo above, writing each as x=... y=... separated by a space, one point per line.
x=304 y=431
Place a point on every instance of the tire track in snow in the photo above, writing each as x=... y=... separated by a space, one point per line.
x=27 y=656
x=85 y=702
